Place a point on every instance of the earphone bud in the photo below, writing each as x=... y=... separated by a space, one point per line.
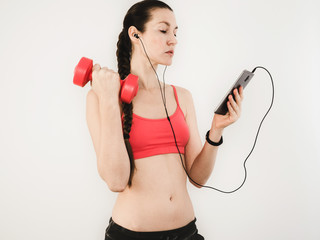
x=136 y=35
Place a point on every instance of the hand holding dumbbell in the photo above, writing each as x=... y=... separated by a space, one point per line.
x=83 y=74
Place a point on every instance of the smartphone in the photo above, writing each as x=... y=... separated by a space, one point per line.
x=243 y=81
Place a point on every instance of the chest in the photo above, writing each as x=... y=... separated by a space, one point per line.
x=150 y=104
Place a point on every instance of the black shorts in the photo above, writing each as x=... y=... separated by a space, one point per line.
x=187 y=232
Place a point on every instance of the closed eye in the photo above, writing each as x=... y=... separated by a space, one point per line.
x=163 y=31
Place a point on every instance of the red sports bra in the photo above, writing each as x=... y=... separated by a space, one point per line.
x=150 y=137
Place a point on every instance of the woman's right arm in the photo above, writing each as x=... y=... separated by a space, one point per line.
x=104 y=122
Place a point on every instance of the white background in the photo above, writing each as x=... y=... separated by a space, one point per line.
x=49 y=185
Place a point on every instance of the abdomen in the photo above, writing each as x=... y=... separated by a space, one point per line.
x=158 y=198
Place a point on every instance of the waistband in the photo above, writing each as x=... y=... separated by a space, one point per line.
x=187 y=230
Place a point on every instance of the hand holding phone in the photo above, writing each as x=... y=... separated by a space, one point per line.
x=243 y=81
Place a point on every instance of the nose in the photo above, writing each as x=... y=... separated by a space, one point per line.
x=172 y=40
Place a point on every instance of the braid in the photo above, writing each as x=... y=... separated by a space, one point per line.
x=138 y=15
x=124 y=54
x=124 y=57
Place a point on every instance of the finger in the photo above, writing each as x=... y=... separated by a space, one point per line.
x=96 y=67
x=241 y=92
x=95 y=70
x=237 y=96
x=232 y=112
x=233 y=103
x=105 y=68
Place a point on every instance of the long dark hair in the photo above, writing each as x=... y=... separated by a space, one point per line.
x=138 y=15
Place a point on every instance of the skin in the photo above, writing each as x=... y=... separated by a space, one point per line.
x=158 y=198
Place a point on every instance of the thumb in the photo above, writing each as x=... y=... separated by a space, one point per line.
x=96 y=67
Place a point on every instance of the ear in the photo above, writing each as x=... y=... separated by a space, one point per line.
x=131 y=31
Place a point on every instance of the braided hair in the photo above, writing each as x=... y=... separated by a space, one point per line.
x=138 y=15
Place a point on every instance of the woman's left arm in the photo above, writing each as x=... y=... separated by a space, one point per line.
x=200 y=159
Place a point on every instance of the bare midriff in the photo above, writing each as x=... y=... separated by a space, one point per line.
x=158 y=199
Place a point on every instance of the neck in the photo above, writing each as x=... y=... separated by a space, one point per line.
x=141 y=67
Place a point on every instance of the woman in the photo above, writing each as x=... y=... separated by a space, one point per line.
x=135 y=148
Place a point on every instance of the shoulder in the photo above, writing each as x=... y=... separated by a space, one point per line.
x=185 y=99
x=184 y=95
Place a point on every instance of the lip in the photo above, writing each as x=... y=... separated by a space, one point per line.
x=171 y=52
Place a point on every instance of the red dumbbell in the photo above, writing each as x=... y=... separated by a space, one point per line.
x=83 y=74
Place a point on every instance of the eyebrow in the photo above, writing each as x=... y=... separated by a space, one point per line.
x=168 y=24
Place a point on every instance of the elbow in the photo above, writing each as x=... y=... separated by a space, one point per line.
x=197 y=183
x=115 y=183
x=116 y=178
x=116 y=187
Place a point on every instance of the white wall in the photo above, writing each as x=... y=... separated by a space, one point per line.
x=49 y=184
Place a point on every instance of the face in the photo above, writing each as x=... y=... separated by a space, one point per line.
x=159 y=37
